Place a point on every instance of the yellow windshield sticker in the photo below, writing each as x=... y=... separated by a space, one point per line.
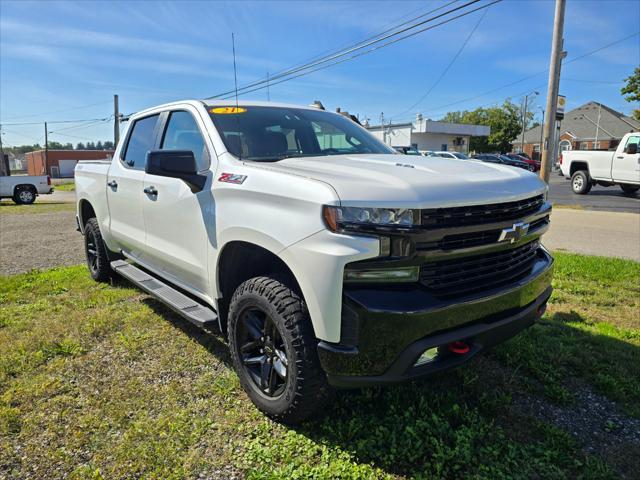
x=226 y=110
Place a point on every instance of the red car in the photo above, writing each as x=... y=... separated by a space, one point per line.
x=534 y=163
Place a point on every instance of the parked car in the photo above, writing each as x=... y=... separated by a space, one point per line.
x=457 y=155
x=523 y=154
x=24 y=189
x=588 y=168
x=534 y=163
x=322 y=268
x=407 y=150
x=503 y=159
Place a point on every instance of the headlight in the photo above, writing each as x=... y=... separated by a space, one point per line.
x=340 y=219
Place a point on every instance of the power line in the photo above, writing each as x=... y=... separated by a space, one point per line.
x=450 y=64
x=55 y=121
x=333 y=51
x=83 y=125
x=294 y=72
x=56 y=111
x=372 y=49
x=527 y=77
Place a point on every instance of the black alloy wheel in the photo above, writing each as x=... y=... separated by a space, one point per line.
x=263 y=352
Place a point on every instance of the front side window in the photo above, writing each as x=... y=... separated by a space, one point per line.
x=141 y=140
x=261 y=133
x=182 y=133
x=632 y=140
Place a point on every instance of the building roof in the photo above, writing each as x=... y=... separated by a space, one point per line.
x=582 y=122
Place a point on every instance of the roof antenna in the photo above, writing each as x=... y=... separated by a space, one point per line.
x=235 y=80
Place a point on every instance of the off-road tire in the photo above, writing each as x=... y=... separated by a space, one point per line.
x=581 y=182
x=96 y=252
x=629 y=189
x=305 y=389
x=24 y=195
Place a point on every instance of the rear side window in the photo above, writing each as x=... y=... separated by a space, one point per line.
x=141 y=140
x=182 y=133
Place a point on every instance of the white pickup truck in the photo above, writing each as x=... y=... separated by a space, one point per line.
x=24 y=189
x=588 y=168
x=323 y=257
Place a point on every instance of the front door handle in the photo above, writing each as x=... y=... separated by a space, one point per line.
x=619 y=156
x=150 y=190
x=113 y=184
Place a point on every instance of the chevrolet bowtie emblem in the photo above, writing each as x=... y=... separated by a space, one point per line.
x=514 y=233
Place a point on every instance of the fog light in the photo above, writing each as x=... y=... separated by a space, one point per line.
x=427 y=357
x=388 y=275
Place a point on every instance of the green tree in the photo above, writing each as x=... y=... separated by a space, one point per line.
x=505 y=123
x=108 y=145
x=80 y=146
x=99 y=145
x=631 y=91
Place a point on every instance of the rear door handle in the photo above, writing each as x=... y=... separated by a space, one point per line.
x=113 y=184
x=150 y=190
x=619 y=156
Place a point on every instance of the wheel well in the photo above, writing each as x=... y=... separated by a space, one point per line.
x=24 y=186
x=240 y=261
x=575 y=166
x=86 y=212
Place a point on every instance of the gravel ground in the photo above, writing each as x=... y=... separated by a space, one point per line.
x=38 y=240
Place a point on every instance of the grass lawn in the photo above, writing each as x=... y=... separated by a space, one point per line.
x=100 y=381
x=66 y=187
x=8 y=207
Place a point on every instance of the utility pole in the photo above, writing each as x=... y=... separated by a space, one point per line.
x=555 y=63
x=116 y=121
x=3 y=166
x=46 y=149
x=541 y=130
x=595 y=144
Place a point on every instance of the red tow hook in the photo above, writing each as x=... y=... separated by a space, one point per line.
x=459 y=348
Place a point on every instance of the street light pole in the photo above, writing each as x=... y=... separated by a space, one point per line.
x=555 y=63
x=524 y=117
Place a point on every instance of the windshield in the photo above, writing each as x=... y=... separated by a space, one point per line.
x=266 y=134
x=461 y=156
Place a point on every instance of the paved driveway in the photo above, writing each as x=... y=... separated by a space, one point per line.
x=600 y=198
x=607 y=234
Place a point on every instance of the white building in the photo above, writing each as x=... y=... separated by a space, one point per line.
x=429 y=135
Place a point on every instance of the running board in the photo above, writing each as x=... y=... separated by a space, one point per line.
x=196 y=313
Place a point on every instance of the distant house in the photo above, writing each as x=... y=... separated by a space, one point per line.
x=593 y=126
x=61 y=163
x=429 y=135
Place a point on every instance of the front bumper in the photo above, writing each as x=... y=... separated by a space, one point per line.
x=384 y=331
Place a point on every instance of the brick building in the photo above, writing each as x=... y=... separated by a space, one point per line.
x=593 y=126
x=61 y=163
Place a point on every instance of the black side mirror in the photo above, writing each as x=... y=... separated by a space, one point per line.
x=632 y=148
x=175 y=164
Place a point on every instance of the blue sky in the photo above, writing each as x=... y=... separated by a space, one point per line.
x=58 y=57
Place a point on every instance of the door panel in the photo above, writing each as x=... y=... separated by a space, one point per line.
x=125 y=183
x=179 y=223
x=176 y=221
x=626 y=167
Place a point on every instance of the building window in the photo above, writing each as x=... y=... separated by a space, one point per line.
x=536 y=147
x=584 y=146
x=443 y=147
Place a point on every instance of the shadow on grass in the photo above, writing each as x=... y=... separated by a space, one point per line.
x=211 y=341
x=462 y=422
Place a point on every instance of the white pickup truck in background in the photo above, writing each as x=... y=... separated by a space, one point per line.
x=24 y=189
x=588 y=168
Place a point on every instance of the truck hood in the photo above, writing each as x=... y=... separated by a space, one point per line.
x=405 y=181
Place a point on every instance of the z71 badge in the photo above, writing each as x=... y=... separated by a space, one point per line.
x=232 y=178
